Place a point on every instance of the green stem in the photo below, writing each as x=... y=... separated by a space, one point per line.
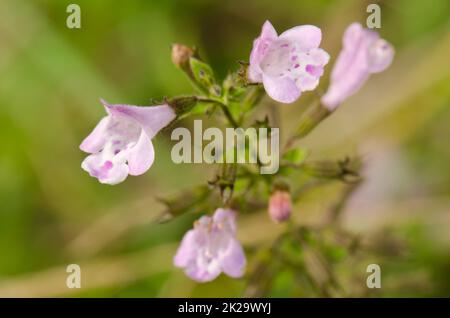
x=224 y=108
x=313 y=117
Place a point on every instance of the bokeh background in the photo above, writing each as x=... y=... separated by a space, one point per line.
x=53 y=214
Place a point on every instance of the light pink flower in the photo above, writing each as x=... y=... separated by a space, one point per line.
x=280 y=206
x=288 y=64
x=211 y=247
x=121 y=143
x=363 y=53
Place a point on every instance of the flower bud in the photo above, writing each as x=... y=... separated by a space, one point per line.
x=363 y=53
x=199 y=72
x=181 y=55
x=280 y=206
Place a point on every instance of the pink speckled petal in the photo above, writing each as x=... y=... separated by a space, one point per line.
x=259 y=50
x=306 y=36
x=105 y=171
x=281 y=89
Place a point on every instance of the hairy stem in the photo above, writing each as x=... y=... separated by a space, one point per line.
x=224 y=108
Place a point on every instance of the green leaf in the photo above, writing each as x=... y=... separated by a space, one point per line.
x=336 y=253
x=296 y=155
x=204 y=77
x=240 y=185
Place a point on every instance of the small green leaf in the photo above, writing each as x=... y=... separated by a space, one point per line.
x=296 y=155
x=204 y=77
x=240 y=185
x=336 y=253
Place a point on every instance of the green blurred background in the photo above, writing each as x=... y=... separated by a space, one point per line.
x=53 y=214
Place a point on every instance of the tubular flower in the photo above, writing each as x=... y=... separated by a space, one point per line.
x=363 y=53
x=288 y=64
x=211 y=247
x=121 y=142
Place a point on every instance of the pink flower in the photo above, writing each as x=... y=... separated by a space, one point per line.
x=121 y=143
x=288 y=64
x=363 y=53
x=280 y=206
x=211 y=247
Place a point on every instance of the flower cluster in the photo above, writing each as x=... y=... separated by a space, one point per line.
x=286 y=65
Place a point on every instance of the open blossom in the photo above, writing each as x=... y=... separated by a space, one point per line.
x=280 y=206
x=288 y=64
x=211 y=247
x=363 y=53
x=121 y=143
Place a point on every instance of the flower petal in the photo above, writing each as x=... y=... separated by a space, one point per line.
x=259 y=50
x=187 y=250
x=380 y=56
x=227 y=219
x=319 y=57
x=354 y=52
x=202 y=275
x=151 y=118
x=105 y=171
x=268 y=31
x=233 y=262
x=254 y=73
x=140 y=158
x=97 y=138
x=281 y=89
x=306 y=36
x=352 y=34
x=307 y=82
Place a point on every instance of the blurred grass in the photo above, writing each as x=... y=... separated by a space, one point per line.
x=53 y=214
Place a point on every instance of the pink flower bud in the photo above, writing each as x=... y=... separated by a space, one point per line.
x=363 y=53
x=280 y=206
